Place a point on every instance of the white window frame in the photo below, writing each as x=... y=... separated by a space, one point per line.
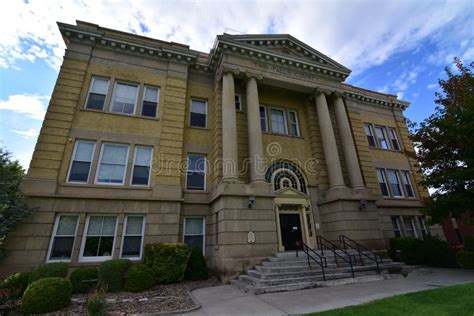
x=407 y=178
x=393 y=131
x=205 y=172
x=239 y=97
x=372 y=134
x=413 y=226
x=423 y=227
x=203 y=231
x=96 y=181
x=82 y=258
x=266 y=118
x=397 y=174
x=93 y=78
x=297 y=123
x=76 y=144
x=191 y=111
x=133 y=166
x=115 y=92
x=385 y=135
x=125 y=222
x=53 y=235
x=145 y=87
x=285 y=121
x=399 y=227
x=384 y=177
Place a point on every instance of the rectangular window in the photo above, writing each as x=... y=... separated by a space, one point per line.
x=294 y=123
x=97 y=93
x=141 y=165
x=369 y=132
x=194 y=231
x=410 y=230
x=62 y=240
x=112 y=165
x=238 y=103
x=423 y=226
x=198 y=114
x=99 y=238
x=394 y=181
x=407 y=184
x=382 y=182
x=81 y=161
x=382 y=137
x=196 y=172
x=396 y=226
x=132 y=239
x=263 y=119
x=393 y=138
x=278 y=119
x=151 y=97
x=125 y=97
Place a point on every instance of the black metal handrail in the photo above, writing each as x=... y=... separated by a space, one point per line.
x=325 y=243
x=316 y=257
x=346 y=242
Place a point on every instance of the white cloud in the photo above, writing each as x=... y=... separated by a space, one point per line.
x=432 y=86
x=358 y=34
x=34 y=106
x=28 y=134
x=400 y=95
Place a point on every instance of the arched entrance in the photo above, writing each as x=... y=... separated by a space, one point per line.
x=294 y=220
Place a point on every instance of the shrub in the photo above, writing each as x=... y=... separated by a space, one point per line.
x=469 y=243
x=112 y=274
x=46 y=295
x=168 y=261
x=465 y=259
x=16 y=283
x=197 y=267
x=409 y=248
x=82 y=279
x=140 y=277
x=96 y=302
x=49 y=270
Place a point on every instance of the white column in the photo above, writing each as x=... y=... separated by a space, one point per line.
x=254 y=132
x=229 y=128
x=348 y=147
x=329 y=142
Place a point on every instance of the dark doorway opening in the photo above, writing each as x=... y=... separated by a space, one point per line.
x=290 y=227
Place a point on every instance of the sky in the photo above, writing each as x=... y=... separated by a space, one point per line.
x=396 y=47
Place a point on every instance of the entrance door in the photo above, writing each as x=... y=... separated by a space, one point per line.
x=290 y=227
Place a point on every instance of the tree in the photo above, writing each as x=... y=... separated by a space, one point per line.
x=12 y=205
x=445 y=146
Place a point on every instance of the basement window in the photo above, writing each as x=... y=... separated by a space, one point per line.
x=194 y=232
x=132 y=240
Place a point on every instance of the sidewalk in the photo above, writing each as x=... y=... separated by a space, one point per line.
x=227 y=300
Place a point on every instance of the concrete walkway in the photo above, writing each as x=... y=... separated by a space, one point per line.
x=227 y=300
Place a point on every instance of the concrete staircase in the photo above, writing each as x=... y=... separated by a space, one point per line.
x=284 y=271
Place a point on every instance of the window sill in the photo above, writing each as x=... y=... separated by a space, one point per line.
x=196 y=191
x=282 y=135
x=386 y=150
x=106 y=186
x=122 y=115
x=199 y=128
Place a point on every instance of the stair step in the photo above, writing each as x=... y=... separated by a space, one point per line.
x=270 y=282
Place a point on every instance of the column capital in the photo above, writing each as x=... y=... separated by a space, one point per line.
x=249 y=75
x=318 y=91
x=338 y=94
x=226 y=70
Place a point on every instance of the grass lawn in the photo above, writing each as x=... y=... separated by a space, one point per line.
x=454 y=300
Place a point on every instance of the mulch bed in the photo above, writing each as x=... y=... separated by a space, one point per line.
x=159 y=299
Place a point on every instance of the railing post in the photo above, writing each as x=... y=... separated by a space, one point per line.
x=352 y=268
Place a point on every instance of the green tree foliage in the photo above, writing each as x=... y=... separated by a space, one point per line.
x=445 y=143
x=197 y=267
x=12 y=205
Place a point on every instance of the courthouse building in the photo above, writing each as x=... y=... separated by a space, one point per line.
x=243 y=151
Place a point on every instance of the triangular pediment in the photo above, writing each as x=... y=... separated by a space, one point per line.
x=285 y=45
x=289 y=192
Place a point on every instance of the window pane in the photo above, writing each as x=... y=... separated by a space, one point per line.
x=124 y=98
x=67 y=225
x=194 y=241
x=84 y=151
x=99 y=85
x=194 y=226
x=140 y=175
x=79 y=171
x=151 y=94
x=143 y=156
x=149 y=109
x=198 y=120
x=195 y=181
x=134 y=225
x=91 y=246
x=105 y=246
x=263 y=119
x=62 y=248
x=198 y=107
x=131 y=246
x=278 y=121
x=109 y=226
x=95 y=101
x=370 y=136
x=95 y=225
x=394 y=183
x=196 y=163
x=293 y=123
x=380 y=132
x=238 y=105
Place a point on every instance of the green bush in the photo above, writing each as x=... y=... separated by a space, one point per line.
x=465 y=259
x=469 y=243
x=16 y=283
x=96 y=305
x=432 y=251
x=49 y=270
x=81 y=279
x=46 y=295
x=197 y=267
x=140 y=277
x=168 y=261
x=112 y=274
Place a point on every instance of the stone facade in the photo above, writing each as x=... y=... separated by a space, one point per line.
x=292 y=142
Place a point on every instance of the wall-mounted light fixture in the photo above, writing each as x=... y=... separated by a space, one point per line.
x=251 y=201
x=362 y=205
